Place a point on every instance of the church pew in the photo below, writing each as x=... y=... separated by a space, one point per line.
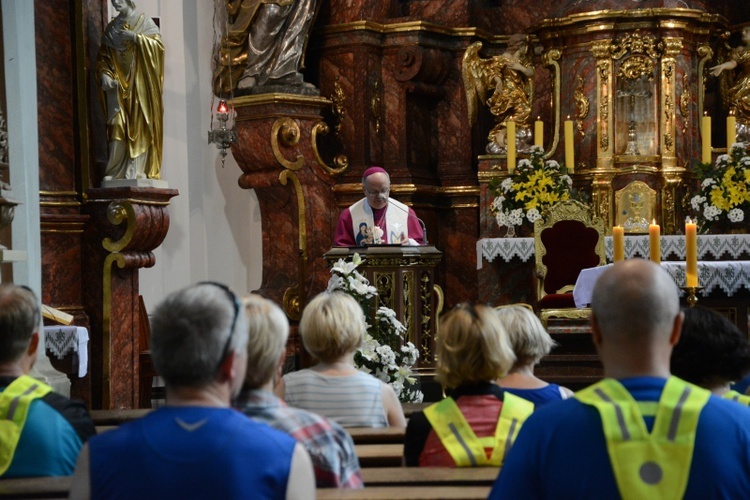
x=442 y=476
x=405 y=493
x=116 y=417
x=369 y=435
x=379 y=454
x=35 y=487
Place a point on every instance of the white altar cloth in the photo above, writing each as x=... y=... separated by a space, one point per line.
x=60 y=340
x=716 y=246
x=729 y=276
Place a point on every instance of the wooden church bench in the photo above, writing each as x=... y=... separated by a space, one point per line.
x=379 y=454
x=442 y=476
x=35 y=487
x=405 y=493
x=369 y=435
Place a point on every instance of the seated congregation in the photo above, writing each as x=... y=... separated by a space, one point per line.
x=233 y=426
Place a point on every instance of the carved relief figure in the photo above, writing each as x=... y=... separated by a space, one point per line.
x=738 y=94
x=263 y=48
x=130 y=68
x=509 y=77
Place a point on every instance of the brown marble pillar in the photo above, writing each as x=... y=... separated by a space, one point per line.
x=129 y=223
x=279 y=156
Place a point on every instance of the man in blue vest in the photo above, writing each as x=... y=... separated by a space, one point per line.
x=196 y=446
x=639 y=433
x=41 y=432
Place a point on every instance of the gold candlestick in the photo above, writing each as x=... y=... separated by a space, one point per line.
x=692 y=294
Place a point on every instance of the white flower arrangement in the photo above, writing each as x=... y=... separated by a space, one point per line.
x=383 y=353
x=724 y=193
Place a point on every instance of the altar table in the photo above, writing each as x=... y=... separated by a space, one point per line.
x=710 y=246
x=63 y=340
x=728 y=276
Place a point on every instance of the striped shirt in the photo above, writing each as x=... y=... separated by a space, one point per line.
x=351 y=400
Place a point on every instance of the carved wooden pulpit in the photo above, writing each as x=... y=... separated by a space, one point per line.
x=404 y=277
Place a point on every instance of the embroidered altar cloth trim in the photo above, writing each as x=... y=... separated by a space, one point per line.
x=60 y=340
x=716 y=246
x=728 y=276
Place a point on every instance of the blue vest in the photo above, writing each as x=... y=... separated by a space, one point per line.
x=191 y=452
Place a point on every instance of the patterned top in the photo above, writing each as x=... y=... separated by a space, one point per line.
x=352 y=400
x=330 y=447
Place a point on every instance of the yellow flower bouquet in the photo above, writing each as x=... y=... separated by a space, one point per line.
x=724 y=195
x=535 y=185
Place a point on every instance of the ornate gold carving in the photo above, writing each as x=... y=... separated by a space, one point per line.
x=685 y=103
x=635 y=205
x=582 y=105
x=384 y=283
x=668 y=91
x=551 y=58
x=338 y=107
x=407 y=284
x=293 y=295
x=672 y=46
x=635 y=43
x=635 y=67
x=341 y=161
x=376 y=105
x=706 y=53
x=604 y=97
x=426 y=337
x=285 y=131
x=117 y=213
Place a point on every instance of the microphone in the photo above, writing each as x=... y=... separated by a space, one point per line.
x=421 y=222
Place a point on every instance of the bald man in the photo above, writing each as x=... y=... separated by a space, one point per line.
x=639 y=433
x=377 y=218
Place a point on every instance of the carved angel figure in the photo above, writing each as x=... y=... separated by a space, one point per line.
x=738 y=93
x=508 y=80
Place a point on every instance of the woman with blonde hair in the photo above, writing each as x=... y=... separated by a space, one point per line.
x=477 y=424
x=332 y=328
x=531 y=343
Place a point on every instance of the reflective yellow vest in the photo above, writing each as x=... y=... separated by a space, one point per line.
x=466 y=449
x=656 y=464
x=14 y=407
x=736 y=396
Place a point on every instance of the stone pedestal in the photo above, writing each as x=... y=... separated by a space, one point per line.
x=130 y=222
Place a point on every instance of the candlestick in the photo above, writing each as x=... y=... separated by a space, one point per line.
x=569 y=155
x=731 y=130
x=654 y=241
x=539 y=132
x=692 y=294
x=706 y=138
x=510 y=141
x=691 y=253
x=618 y=238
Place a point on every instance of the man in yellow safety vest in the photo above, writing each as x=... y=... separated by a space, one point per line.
x=640 y=432
x=41 y=432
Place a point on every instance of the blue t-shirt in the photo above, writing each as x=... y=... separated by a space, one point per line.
x=191 y=452
x=561 y=452
x=541 y=396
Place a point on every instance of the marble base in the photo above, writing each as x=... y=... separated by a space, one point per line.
x=149 y=183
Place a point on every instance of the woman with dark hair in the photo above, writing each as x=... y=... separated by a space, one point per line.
x=712 y=353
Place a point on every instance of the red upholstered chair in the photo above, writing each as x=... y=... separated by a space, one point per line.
x=567 y=239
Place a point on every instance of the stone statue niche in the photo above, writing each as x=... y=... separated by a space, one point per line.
x=263 y=46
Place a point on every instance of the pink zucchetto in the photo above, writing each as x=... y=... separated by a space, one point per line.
x=373 y=170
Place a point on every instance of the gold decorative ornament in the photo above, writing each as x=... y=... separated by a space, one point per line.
x=685 y=103
x=338 y=105
x=582 y=105
x=285 y=131
x=376 y=105
x=706 y=54
x=293 y=295
x=341 y=161
x=551 y=59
